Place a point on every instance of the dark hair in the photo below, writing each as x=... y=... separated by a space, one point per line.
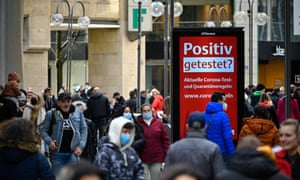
x=176 y=170
x=116 y=94
x=17 y=131
x=75 y=171
x=47 y=90
x=261 y=111
x=132 y=93
x=260 y=87
x=143 y=105
x=128 y=126
x=217 y=96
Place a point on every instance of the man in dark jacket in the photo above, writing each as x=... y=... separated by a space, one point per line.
x=251 y=161
x=195 y=150
x=98 y=110
x=131 y=102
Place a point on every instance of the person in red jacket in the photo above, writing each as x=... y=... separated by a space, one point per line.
x=294 y=106
x=156 y=142
x=157 y=104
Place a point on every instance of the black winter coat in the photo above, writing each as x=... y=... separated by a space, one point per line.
x=8 y=108
x=249 y=164
x=98 y=107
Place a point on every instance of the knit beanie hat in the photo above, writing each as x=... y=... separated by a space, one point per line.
x=11 y=89
x=14 y=76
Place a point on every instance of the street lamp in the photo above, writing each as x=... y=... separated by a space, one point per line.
x=83 y=21
x=158 y=9
x=219 y=23
x=240 y=18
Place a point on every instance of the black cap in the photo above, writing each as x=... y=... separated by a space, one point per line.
x=64 y=96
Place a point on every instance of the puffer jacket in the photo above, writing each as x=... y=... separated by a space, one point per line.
x=264 y=129
x=23 y=162
x=219 y=129
x=78 y=125
x=118 y=161
x=249 y=164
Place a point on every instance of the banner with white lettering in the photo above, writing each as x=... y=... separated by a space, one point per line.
x=208 y=63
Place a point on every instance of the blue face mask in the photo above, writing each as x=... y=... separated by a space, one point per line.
x=147 y=116
x=127 y=116
x=124 y=139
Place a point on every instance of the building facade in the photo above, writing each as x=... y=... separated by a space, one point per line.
x=106 y=54
x=26 y=45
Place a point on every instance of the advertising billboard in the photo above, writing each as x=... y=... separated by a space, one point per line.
x=205 y=61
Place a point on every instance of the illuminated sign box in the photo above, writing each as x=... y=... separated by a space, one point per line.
x=207 y=60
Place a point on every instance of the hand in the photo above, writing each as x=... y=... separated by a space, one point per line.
x=52 y=145
x=78 y=151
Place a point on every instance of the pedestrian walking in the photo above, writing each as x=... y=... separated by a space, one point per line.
x=218 y=124
x=65 y=131
x=261 y=126
x=19 y=153
x=288 y=159
x=116 y=158
x=156 y=145
x=98 y=110
x=252 y=161
x=201 y=154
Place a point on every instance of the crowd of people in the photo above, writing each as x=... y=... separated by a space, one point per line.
x=87 y=135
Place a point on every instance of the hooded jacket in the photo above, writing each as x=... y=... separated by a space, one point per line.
x=23 y=161
x=264 y=129
x=249 y=164
x=117 y=161
x=219 y=128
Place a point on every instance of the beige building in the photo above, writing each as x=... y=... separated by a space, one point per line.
x=26 y=39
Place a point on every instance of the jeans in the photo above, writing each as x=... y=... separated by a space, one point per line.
x=60 y=159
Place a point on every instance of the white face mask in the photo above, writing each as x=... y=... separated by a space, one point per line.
x=225 y=106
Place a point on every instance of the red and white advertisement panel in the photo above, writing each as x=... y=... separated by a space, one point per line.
x=206 y=63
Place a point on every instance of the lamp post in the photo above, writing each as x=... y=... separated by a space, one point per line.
x=261 y=19
x=138 y=93
x=157 y=9
x=83 y=21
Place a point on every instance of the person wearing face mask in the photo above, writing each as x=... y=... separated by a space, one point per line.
x=218 y=124
x=156 y=143
x=116 y=159
x=139 y=140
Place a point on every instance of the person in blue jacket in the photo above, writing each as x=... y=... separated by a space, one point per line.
x=218 y=124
